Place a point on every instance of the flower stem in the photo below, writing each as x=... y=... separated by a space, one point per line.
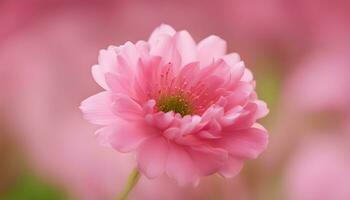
x=132 y=181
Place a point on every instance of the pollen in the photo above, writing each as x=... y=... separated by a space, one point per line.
x=176 y=103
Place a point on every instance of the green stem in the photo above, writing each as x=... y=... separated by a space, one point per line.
x=132 y=181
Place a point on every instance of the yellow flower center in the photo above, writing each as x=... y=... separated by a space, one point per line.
x=175 y=103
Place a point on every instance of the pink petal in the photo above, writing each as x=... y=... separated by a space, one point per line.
x=124 y=136
x=143 y=48
x=166 y=48
x=240 y=95
x=120 y=61
x=152 y=156
x=124 y=68
x=213 y=112
x=98 y=108
x=107 y=59
x=247 y=144
x=214 y=76
x=180 y=166
x=163 y=120
x=208 y=159
x=230 y=116
x=262 y=110
x=236 y=72
x=131 y=54
x=107 y=63
x=148 y=107
x=172 y=133
x=245 y=120
x=126 y=108
x=99 y=76
x=232 y=167
x=190 y=124
x=186 y=46
x=232 y=59
x=210 y=48
x=185 y=76
x=211 y=130
x=208 y=135
x=247 y=76
x=118 y=83
x=148 y=74
x=163 y=29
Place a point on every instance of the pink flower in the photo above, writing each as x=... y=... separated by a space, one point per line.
x=186 y=109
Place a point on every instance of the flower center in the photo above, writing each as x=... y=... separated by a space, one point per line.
x=176 y=103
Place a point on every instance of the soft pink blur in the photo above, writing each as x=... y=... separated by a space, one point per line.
x=319 y=169
x=301 y=47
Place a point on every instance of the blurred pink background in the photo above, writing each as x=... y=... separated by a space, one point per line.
x=298 y=51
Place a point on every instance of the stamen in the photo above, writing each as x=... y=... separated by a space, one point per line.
x=176 y=103
x=177 y=94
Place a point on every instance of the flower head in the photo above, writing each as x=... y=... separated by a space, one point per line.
x=186 y=109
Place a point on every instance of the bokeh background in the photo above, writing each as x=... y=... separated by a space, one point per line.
x=299 y=51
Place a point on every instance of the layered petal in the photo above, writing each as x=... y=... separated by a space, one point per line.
x=180 y=165
x=118 y=61
x=98 y=108
x=232 y=167
x=210 y=49
x=207 y=159
x=245 y=144
x=166 y=49
x=186 y=46
x=246 y=119
x=152 y=156
x=159 y=32
x=232 y=59
x=126 y=108
x=124 y=136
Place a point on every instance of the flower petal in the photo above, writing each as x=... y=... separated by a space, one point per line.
x=262 y=110
x=120 y=61
x=240 y=95
x=163 y=29
x=210 y=48
x=237 y=72
x=148 y=76
x=126 y=108
x=232 y=167
x=124 y=136
x=99 y=76
x=247 y=75
x=166 y=49
x=207 y=159
x=98 y=108
x=118 y=83
x=232 y=59
x=186 y=46
x=246 y=118
x=247 y=144
x=107 y=59
x=185 y=76
x=163 y=120
x=152 y=156
x=180 y=166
